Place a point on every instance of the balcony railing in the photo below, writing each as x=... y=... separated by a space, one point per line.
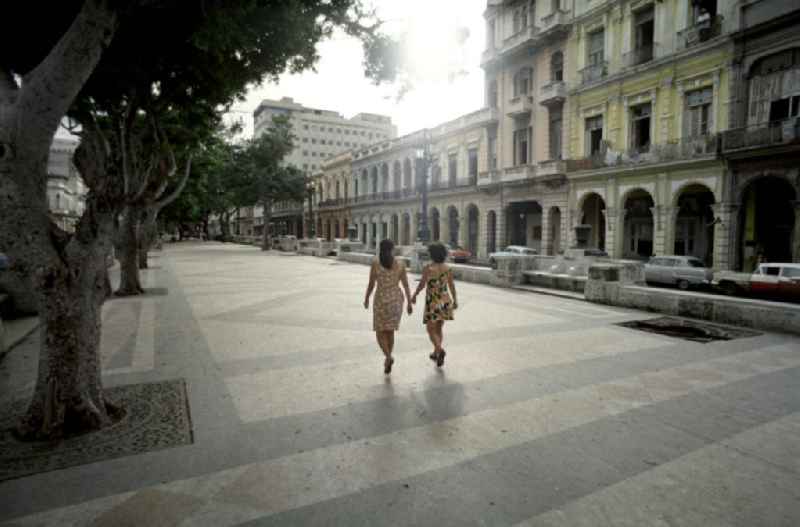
x=519 y=172
x=519 y=105
x=639 y=55
x=553 y=93
x=762 y=135
x=384 y=196
x=552 y=167
x=700 y=32
x=525 y=36
x=556 y=21
x=594 y=72
x=683 y=150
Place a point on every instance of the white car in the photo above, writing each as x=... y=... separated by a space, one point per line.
x=682 y=271
x=777 y=281
x=511 y=250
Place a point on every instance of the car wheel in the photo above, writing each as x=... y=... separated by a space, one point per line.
x=683 y=285
x=729 y=288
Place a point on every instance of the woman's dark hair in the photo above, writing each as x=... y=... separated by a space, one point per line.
x=386 y=255
x=438 y=252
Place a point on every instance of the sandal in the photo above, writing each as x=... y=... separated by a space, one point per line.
x=387 y=365
x=440 y=359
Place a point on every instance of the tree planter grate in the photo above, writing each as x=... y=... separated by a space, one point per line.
x=157 y=417
x=688 y=329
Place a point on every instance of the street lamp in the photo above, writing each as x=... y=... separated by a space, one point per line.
x=423 y=161
x=310 y=192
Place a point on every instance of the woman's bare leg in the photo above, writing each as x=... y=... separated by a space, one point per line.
x=390 y=342
x=379 y=336
x=439 y=332
x=434 y=336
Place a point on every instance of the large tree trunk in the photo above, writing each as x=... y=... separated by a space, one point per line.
x=265 y=239
x=69 y=395
x=225 y=226
x=128 y=253
x=148 y=232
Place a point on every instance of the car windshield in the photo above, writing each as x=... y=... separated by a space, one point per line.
x=791 y=272
x=693 y=262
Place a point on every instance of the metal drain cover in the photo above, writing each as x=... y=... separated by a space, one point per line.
x=688 y=329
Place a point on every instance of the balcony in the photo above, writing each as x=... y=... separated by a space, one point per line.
x=700 y=32
x=555 y=24
x=553 y=93
x=519 y=105
x=703 y=147
x=640 y=55
x=594 y=72
x=488 y=55
x=527 y=36
x=552 y=167
x=776 y=133
x=519 y=173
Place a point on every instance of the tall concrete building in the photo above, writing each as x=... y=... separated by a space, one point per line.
x=322 y=133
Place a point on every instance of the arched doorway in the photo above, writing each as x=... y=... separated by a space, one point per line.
x=337 y=233
x=638 y=227
x=491 y=232
x=395 y=229
x=694 y=224
x=472 y=229
x=453 y=224
x=766 y=221
x=405 y=234
x=593 y=214
x=434 y=227
x=524 y=222
x=555 y=230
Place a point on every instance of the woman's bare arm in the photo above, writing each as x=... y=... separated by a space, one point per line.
x=404 y=281
x=452 y=285
x=421 y=285
x=370 y=285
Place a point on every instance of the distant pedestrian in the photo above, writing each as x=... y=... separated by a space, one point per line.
x=387 y=308
x=437 y=278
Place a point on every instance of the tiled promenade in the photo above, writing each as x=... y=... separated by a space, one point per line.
x=545 y=414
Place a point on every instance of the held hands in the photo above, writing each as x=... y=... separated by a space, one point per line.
x=366 y=303
x=409 y=309
x=414 y=298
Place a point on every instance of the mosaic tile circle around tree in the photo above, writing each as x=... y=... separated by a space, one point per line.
x=157 y=417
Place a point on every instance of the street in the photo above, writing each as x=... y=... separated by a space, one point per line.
x=546 y=412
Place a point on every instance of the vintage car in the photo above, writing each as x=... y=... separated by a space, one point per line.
x=458 y=254
x=681 y=271
x=776 y=281
x=511 y=250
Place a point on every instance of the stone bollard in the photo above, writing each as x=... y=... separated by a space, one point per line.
x=606 y=279
x=510 y=270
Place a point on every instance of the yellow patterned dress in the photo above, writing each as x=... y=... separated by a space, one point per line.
x=438 y=304
x=387 y=308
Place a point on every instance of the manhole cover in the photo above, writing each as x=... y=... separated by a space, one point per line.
x=688 y=329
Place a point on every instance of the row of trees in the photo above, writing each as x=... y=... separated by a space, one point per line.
x=144 y=83
x=228 y=176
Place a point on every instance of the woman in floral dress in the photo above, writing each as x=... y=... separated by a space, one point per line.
x=387 y=308
x=437 y=278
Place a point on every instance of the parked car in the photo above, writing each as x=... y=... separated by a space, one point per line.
x=682 y=271
x=511 y=250
x=780 y=281
x=458 y=253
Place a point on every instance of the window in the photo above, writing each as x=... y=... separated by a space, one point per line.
x=640 y=127
x=520 y=18
x=338 y=130
x=305 y=139
x=313 y=154
x=346 y=132
x=305 y=127
x=452 y=169
x=698 y=112
x=521 y=146
x=644 y=29
x=472 y=164
x=523 y=81
x=305 y=152
x=791 y=272
x=557 y=67
x=492 y=94
x=322 y=141
x=772 y=271
x=594 y=135
x=596 y=48
x=313 y=167
x=781 y=109
x=314 y=141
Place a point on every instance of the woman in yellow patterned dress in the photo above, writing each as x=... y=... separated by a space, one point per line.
x=387 y=308
x=437 y=278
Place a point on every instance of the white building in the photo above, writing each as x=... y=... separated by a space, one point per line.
x=66 y=192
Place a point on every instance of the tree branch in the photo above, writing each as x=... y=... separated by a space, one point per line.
x=172 y=196
x=48 y=91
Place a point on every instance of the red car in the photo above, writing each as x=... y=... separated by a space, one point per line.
x=458 y=254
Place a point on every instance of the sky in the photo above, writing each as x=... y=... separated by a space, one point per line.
x=433 y=28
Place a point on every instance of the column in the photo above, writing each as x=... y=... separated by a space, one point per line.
x=668 y=217
x=613 y=249
x=463 y=227
x=547 y=241
x=725 y=221
x=502 y=220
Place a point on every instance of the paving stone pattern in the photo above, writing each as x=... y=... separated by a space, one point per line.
x=547 y=412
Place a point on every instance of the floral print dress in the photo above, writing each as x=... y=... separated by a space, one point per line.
x=438 y=304
x=387 y=308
